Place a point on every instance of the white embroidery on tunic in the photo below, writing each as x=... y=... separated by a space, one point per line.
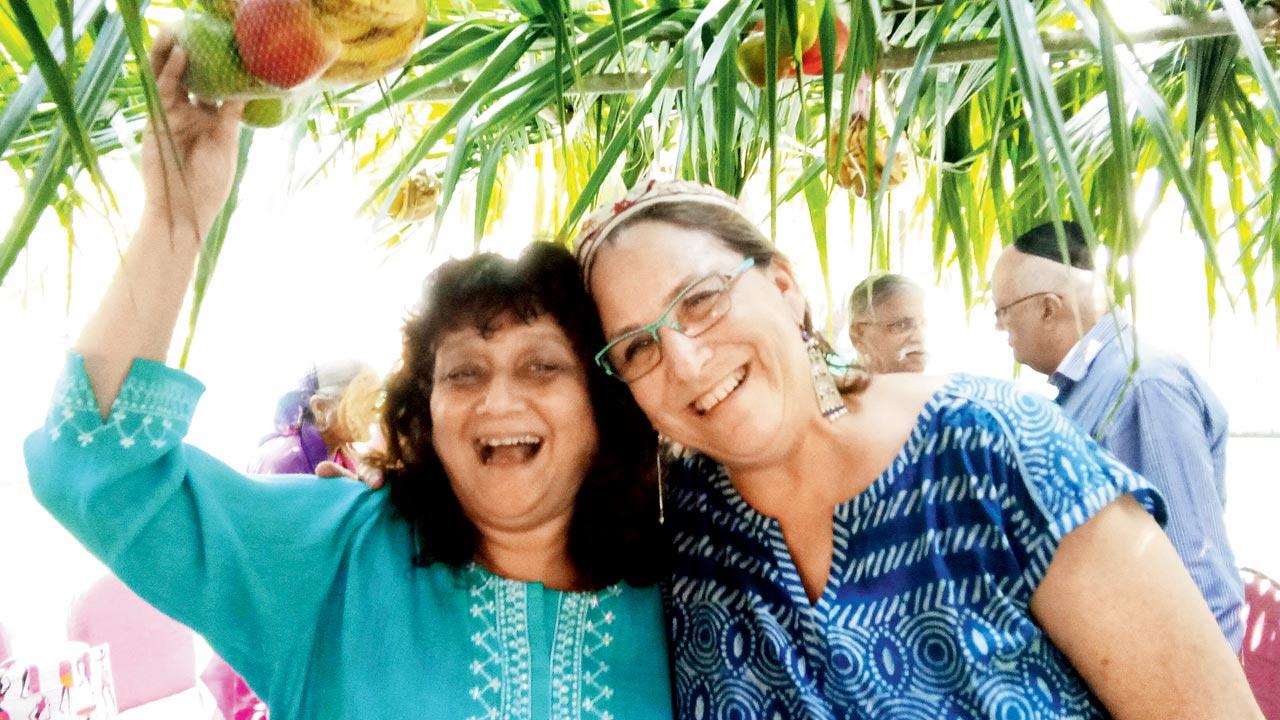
x=146 y=413
x=578 y=666
x=502 y=669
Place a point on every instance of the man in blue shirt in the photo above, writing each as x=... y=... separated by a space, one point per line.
x=1147 y=406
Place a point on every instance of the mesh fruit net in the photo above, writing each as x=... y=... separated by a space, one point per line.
x=277 y=51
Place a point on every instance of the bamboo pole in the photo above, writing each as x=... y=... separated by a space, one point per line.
x=1265 y=19
x=1167 y=29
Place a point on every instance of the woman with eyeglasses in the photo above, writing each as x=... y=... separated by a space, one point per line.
x=886 y=324
x=902 y=546
x=509 y=570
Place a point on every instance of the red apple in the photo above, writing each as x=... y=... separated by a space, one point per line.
x=811 y=61
x=281 y=42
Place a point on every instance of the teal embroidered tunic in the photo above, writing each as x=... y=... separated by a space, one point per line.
x=306 y=585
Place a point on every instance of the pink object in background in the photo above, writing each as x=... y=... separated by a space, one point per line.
x=83 y=690
x=6 y=645
x=1261 y=652
x=153 y=656
x=235 y=699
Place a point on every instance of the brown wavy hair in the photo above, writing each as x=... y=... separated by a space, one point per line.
x=614 y=534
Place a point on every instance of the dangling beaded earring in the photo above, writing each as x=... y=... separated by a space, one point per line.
x=824 y=385
x=662 y=491
x=668 y=451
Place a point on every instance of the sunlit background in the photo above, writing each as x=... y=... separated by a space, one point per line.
x=304 y=278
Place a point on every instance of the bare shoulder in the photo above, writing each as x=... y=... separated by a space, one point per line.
x=893 y=402
x=906 y=389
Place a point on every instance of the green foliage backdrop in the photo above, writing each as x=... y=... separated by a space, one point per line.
x=1012 y=112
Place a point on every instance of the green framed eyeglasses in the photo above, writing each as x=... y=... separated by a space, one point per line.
x=694 y=310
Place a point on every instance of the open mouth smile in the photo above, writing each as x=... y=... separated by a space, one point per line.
x=716 y=395
x=508 y=449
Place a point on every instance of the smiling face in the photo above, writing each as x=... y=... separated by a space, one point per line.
x=512 y=422
x=739 y=389
x=891 y=337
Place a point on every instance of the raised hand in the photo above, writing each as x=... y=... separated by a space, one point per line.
x=368 y=476
x=187 y=172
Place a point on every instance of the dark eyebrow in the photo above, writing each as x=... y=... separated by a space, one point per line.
x=680 y=287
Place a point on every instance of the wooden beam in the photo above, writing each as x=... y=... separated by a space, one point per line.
x=1168 y=29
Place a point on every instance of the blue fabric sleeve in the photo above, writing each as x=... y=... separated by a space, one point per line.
x=248 y=564
x=1058 y=479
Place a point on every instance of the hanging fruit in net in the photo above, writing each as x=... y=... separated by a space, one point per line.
x=377 y=36
x=215 y=70
x=416 y=199
x=811 y=61
x=282 y=42
x=751 y=54
x=289 y=49
x=850 y=165
x=268 y=112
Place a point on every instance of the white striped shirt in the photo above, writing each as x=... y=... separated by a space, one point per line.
x=1171 y=429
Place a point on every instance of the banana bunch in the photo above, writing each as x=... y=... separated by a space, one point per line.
x=851 y=167
x=377 y=36
x=416 y=199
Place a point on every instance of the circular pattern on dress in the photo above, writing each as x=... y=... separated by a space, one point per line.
x=737 y=646
x=1042 y=686
x=1005 y=699
x=1038 y=432
x=695 y=699
x=889 y=662
x=771 y=663
x=956 y=706
x=979 y=639
x=1032 y=414
x=907 y=708
x=702 y=647
x=677 y=623
x=737 y=700
x=935 y=650
x=1014 y=628
x=848 y=660
x=776 y=709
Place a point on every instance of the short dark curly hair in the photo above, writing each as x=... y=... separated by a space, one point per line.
x=614 y=534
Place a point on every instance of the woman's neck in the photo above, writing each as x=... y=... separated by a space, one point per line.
x=539 y=554
x=827 y=463
x=811 y=469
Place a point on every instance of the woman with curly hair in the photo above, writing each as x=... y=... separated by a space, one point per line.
x=508 y=573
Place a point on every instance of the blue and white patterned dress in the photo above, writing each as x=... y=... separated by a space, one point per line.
x=926 y=611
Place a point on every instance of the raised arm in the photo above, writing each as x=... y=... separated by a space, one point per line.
x=187 y=176
x=1118 y=602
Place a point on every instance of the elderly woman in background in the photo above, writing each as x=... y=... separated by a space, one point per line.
x=880 y=546
x=886 y=324
x=509 y=571
x=320 y=420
